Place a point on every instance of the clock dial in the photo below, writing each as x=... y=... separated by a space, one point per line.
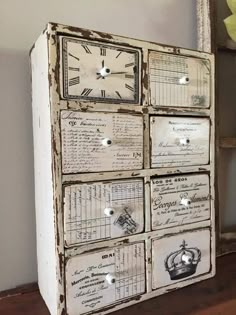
x=99 y=72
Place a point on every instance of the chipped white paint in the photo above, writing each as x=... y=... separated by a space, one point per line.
x=117 y=150
x=179 y=141
x=103 y=210
x=180 y=200
x=179 y=81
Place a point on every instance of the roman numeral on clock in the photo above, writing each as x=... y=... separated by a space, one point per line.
x=74 y=69
x=129 y=65
x=129 y=76
x=103 y=51
x=129 y=87
x=86 y=92
x=103 y=93
x=118 y=94
x=86 y=49
x=119 y=54
x=74 y=56
x=74 y=81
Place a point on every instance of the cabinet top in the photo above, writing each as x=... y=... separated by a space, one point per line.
x=53 y=29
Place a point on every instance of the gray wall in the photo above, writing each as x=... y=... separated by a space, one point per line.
x=168 y=21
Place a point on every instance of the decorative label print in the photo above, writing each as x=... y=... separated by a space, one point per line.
x=99 y=279
x=179 y=200
x=179 y=141
x=93 y=142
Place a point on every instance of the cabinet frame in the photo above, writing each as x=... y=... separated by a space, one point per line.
x=48 y=45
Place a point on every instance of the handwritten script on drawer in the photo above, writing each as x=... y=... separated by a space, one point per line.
x=178 y=141
x=87 y=287
x=85 y=216
x=83 y=134
x=167 y=194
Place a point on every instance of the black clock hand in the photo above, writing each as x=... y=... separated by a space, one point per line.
x=118 y=72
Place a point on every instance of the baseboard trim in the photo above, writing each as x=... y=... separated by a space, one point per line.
x=23 y=289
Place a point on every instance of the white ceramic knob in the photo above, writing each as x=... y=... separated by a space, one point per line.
x=184 y=80
x=104 y=72
x=184 y=141
x=187 y=259
x=107 y=142
x=185 y=202
x=109 y=212
x=110 y=278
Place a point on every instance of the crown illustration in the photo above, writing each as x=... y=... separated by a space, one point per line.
x=182 y=263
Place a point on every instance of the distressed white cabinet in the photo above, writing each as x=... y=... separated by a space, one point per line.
x=124 y=145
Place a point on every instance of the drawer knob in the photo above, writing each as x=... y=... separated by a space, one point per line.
x=187 y=259
x=109 y=212
x=107 y=142
x=184 y=141
x=185 y=202
x=110 y=278
x=184 y=80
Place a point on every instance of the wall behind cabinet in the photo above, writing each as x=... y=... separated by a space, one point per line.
x=169 y=21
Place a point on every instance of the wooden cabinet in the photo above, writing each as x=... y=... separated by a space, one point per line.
x=124 y=147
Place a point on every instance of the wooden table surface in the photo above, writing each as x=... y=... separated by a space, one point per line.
x=211 y=297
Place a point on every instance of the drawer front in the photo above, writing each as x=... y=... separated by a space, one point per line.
x=179 y=200
x=178 y=141
x=180 y=257
x=99 y=279
x=94 y=142
x=103 y=210
x=179 y=81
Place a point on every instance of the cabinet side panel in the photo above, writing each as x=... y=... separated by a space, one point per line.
x=43 y=175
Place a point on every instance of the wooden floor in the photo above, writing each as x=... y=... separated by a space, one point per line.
x=212 y=297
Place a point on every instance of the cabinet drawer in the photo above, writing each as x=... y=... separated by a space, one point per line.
x=180 y=257
x=94 y=142
x=102 y=278
x=103 y=210
x=179 y=200
x=179 y=81
x=179 y=141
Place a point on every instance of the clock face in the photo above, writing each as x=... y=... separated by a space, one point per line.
x=99 y=72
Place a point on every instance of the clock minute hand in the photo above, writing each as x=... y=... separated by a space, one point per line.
x=118 y=72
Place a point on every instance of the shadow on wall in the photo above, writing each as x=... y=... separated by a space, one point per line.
x=17 y=223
